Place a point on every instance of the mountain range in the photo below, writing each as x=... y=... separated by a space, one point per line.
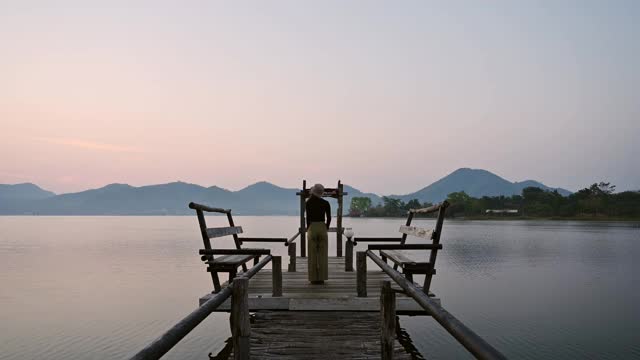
x=262 y=198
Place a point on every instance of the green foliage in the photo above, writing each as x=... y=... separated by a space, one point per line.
x=596 y=201
x=392 y=207
x=359 y=206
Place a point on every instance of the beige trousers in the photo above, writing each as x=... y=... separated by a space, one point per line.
x=318 y=257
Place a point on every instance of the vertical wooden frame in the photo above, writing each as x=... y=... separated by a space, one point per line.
x=434 y=252
x=207 y=245
x=339 y=221
x=303 y=225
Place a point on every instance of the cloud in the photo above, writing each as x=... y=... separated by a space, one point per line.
x=89 y=145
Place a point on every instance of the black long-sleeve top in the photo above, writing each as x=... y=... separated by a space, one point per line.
x=317 y=208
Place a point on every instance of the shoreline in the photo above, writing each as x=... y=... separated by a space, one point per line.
x=470 y=218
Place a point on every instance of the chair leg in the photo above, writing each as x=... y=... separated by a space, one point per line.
x=216 y=281
x=427 y=283
x=232 y=275
x=409 y=276
x=244 y=267
x=255 y=261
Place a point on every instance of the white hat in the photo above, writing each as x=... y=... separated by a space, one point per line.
x=317 y=190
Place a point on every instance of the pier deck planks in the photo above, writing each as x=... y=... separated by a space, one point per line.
x=337 y=294
x=318 y=335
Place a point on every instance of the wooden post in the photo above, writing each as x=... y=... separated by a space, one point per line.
x=303 y=226
x=388 y=320
x=240 y=326
x=339 y=222
x=207 y=245
x=348 y=256
x=361 y=275
x=435 y=236
x=292 y=257
x=276 y=276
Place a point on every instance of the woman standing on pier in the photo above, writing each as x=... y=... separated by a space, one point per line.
x=318 y=221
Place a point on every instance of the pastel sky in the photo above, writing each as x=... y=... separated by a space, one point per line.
x=387 y=96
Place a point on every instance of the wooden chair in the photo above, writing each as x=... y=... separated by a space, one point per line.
x=231 y=259
x=401 y=258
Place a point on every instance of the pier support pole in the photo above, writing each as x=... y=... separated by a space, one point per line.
x=292 y=257
x=240 y=326
x=348 y=256
x=303 y=225
x=276 y=276
x=339 y=222
x=361 y=275
x=388 y=320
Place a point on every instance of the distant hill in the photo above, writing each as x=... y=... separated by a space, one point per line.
x=476 y=183
x=26 y=191
x=261 y=198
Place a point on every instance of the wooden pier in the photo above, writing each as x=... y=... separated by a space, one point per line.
x=328 y=321
x=353 y=315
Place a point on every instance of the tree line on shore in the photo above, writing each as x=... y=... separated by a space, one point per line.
x=594 y=202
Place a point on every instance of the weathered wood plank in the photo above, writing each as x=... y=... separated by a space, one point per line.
x=400 y=257
x=404 y=247
x=201 y=207
x=430 y=209
x=234 y=251
x=262 y=239
x=230 y=260
x=376 y=239
x=240 y=325
x=416 y=231
x=223 y=231
x=319 y=335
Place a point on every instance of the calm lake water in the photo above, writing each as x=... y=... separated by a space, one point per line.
x=104 y=287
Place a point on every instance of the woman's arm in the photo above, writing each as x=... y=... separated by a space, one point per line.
x=328 y=215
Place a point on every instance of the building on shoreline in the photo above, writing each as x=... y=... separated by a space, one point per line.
x=501 y=211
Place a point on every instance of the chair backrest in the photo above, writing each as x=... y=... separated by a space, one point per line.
x=210 y=233
x=433 y=234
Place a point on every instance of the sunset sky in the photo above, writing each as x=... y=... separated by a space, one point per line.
x=387 y=96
